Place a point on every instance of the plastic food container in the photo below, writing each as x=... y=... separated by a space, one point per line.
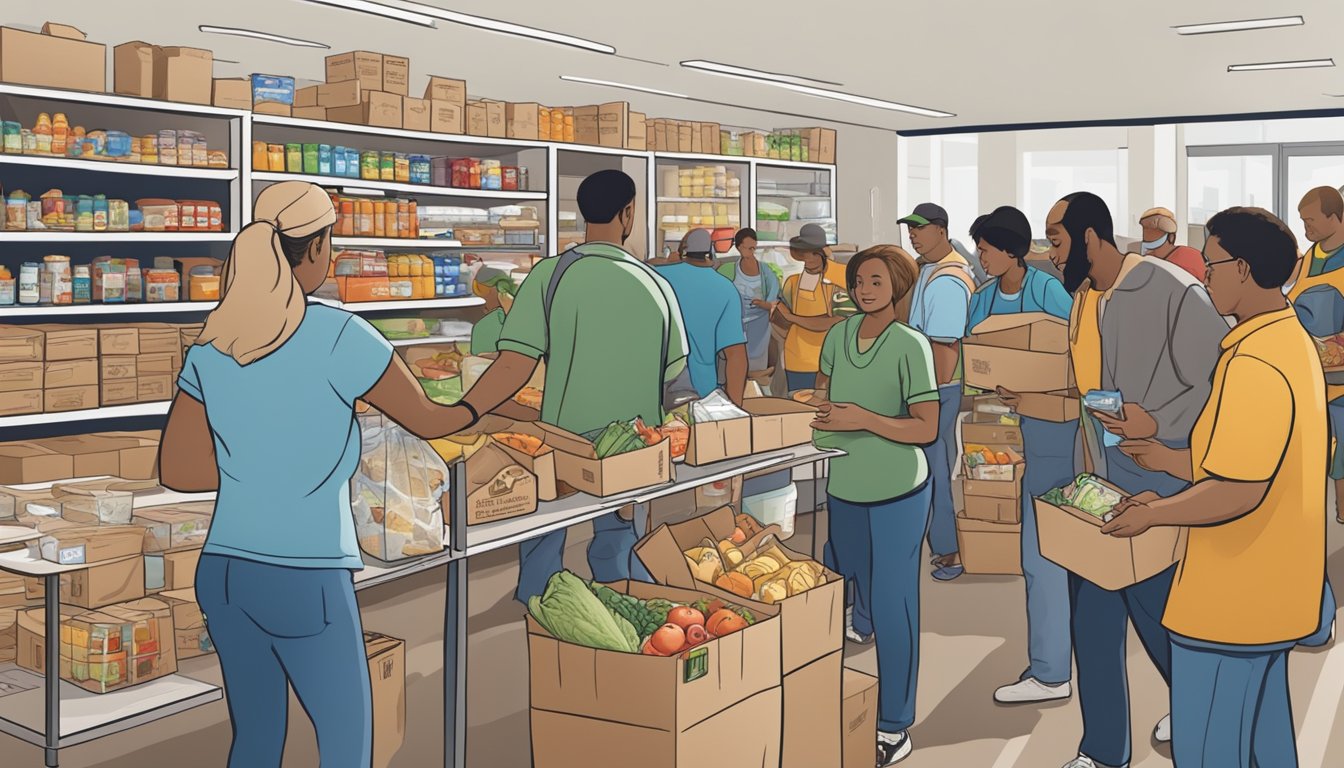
x=159 y=215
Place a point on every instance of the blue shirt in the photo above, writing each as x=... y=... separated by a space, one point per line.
x=1040 y=292
x=938 y=307
x=711 y=312
x=287 y=442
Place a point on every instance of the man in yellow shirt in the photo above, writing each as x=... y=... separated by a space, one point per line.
x=1249 y=586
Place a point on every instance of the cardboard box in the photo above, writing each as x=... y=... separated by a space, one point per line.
x=183 y=74
x=820 y=144
x=1027 y=352
x=18 y=377
x=107 y=583
x=139 y=454
x=993 y=501
x=523 y=120
x=685 y=137
x=309 y=113
x=858 y=718
x=663 y=709
x=133 y=69
x=103 y=650
x=122 y=392
x=713 y=441
x=378 y=109
x=69 y=399
x=387 y=674
x=989 y=548
x=613 y=124
x=274 y=108
x=307 y=97
x=364 y=66
x=709 y=138
x=446 y=89
x=812 y=722
x=1072 y=539
x=542 y=466
x=158 y=363
x=119 y=367
x=637 y=134
x=119 y=341
x=232 y=93
x=586 y=121
x=1058 y=407
x=446 y=117
x=478 y=120
x=164 y=529
x=736 y=733
x=20 y=344
x=102 y=508
x=22 y=463
x=496 y=119
x=72 y=373
x=60 y=57
x=578 y=465
x=991 y=434
x=91 y=455
x=415 y=114
x=156 y=388
x=396 y=75
x=778 y=423
x=92 y=545
x=345 y=93
x=21 y=403
x=191 y=638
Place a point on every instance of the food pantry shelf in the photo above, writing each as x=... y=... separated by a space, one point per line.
x=104 y=166
x=87 y=716
x=399 y=306
x=112 y=100
x=391 y=186
x=395 y=133
x=49 y=236
x=90 y=414
x=162 y=308
x=393 y=242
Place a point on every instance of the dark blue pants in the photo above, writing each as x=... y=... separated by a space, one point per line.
x=941 y=455
x=877 y=548
x=608 y=556
x=797 y=380
x=1100 y=631
x=1049 y=450
x=274 y=627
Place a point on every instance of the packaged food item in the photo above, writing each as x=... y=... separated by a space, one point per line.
x=159 y=215
x=402 y=168
x=57 y=269
x=261 y=158
x=491 y=175
x=310 y=158
x=12 y=137
x=352 y=163
x=420 y=169
x=396 y=493
x=16 y=210
x=84 y=214
x=118 y=144
x=9 y=288
x=167 y=146
x=338 y=164
x=161 y=285
x=275 y=155
x=369 y=166
x=1104 y=401
x=203 y=284
x=100 y=213
x=29 y=277
x=60 y=134
x=509 y=179
x=82 y=285
x=387 y=166
x=294 y=158
x=118 y=216
x=324 y=158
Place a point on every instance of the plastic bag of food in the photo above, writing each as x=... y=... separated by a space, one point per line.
x=397 y=492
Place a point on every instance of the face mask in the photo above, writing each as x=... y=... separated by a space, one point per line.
x=1152 y=245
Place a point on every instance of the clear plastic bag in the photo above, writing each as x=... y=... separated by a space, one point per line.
x=397 y=492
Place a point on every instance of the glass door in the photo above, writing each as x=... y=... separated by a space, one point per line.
x=1305 y=167
x=1222 y=177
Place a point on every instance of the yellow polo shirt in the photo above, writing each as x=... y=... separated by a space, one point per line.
x=802 y=348
x=1257 y=580
x=1085 y=340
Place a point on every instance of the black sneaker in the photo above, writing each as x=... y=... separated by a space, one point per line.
x=893 y=748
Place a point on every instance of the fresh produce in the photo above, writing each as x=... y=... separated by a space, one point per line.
x=766 y=574
x=668 y=639
x=685 y=617
x=529 y=397
x=977 y=455
x=725 y=622
x=1087 y=494
x=444 y=365
x=644 y=616
x=523 y=443
x=458 y=447
x=696 y=634
x=443 y=391
x=711 y=607
x=737 y=583
x=674 y=430
x=571 y=612
x=617 y=438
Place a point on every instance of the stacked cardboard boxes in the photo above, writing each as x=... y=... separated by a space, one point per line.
x=989 y=527
x=170 y=73
x=103 y=650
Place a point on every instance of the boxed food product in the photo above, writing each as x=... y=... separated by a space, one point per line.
x=637 y=133
x=859 y=719
x=59 y=57
x=396 y=75
x=272 y=94
x=662 y=708
x=613 y=124
x=71 y=373
x=183 y=74
x=415 y=115
x=719 y=430
x=103 y=650
x=119 y=341
x=579 y=463
x=92 y=545
x=133 y=69
x=231 y=93
x=1027 y=352
x=446 y=89
x=397 y=492
x=1068 y=521
x=105 y=583
x=586 y=120
x=989 y=548
x=778 y=423
x=17 y=377
x=170 y=528
x=70 y=399
x=190 y=636
x=118 y=367
x=477 y=119
x=446 y=117
x=22 y=463
x=156 y=388
x=364 y=66
x=387 y=675
x=21 y=403
x=122 y=392
x=985 y=433
x=68 y=342
x=19 y=344
x=524 y=120
x=378 y=108
x=523 y=445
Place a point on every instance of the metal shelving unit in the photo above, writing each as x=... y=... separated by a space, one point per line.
x=392 y=186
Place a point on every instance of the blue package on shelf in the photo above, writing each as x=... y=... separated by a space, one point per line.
x=338 y=161
x=273 y=88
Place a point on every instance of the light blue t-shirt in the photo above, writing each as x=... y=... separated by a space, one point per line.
x=711 y=311
x=287 y=441
x=939 y=307
x=1040 y=292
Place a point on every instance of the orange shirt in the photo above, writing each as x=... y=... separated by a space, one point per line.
x=802 y=348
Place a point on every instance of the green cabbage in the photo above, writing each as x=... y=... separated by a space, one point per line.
x=573 y=614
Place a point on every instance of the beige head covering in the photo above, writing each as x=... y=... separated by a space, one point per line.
x=262 y=303
x=1160 y=219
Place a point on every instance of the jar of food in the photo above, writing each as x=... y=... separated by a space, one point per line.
x=100 y=213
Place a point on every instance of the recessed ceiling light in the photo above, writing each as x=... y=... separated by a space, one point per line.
x=1304 y=64
x=260 y=36
x=1239 y=26
x=509 y=28
x=377 y=9
x=626 y=86
x=755 y=74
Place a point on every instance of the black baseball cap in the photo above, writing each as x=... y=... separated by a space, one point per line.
x=925 y=214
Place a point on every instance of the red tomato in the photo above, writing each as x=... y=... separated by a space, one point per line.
x=696 y=634
x=685 y=617
x=668 y=639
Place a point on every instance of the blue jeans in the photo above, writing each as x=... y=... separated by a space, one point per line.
x=1322 y=635
x=877 y=547
x=609 y=556
x=941 y=455
x=1099 y=631
x=1049 y=449
x=1230 y=706
x=274 y=627
x=797 y=380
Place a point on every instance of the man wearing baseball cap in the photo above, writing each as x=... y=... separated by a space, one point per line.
x=1159 y=241
x=939 y=306
x=711 y=313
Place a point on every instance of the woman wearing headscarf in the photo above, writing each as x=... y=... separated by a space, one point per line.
x=1003 y=239
x=265 y=415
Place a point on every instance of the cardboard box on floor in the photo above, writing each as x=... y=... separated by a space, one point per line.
x=1027 y=352
x=1072 y=539
x=993 y=492
x=190 y=636
x=59 y=57
x=858 y=716
x=662 y=709
x=778 y=423
x=107 y=583
x=576 y=464
x=991 y=549
x=387 y=675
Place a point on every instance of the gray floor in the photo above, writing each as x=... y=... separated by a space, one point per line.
x=973 y=634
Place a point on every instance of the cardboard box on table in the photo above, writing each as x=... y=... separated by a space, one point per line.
x=387 y=675
x=778 y=423
x=1072 y=539
x=499 y=485
x=167 y=528
x=712 y=441
x=1027 y=352
x=92 y=545
x=190 y=636
x=93 y=507
x=143 y=649
x=859 y=719
x=31 y=462
x=595 y=707
x=811 y=632
x=541 y=467
x=59 y=57
x=577 y=465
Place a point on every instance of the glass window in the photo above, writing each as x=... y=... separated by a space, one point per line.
x=961 y=184
x=1307 y=172
x=1219 y=182
x=1049 y=176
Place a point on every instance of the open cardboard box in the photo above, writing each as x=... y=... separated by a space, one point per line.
x=778 y=423
x=989 y=549
x=665 y=710
x=713 y=441
x=993 y=501
x=1073 y=539
x=576 y=464
x=1027 y=352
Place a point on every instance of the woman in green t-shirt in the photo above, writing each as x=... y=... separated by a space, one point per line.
x=883 y=405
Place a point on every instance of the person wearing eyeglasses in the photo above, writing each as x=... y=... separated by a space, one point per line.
x=1249 y=584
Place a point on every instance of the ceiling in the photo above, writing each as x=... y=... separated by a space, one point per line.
x=990 y=63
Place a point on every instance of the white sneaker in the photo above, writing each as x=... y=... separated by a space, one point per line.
x=1081 y=761
x=850 y=634
x=892 y=748
x=1031 y=691
x=1163 y=731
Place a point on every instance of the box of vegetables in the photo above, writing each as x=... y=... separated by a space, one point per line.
x=1069 y=522
x=621 y=457
x=659 y=671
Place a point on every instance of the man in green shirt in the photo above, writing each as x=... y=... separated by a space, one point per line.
x=610 y=331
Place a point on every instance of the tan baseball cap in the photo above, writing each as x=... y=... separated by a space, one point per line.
x=1160 y=219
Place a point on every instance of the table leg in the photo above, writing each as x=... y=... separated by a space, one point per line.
x=52 y=691
x=816 y=511
x=455 y=667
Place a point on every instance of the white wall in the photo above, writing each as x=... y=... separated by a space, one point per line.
x=867 y=195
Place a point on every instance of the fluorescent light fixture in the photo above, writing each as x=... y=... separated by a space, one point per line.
x=1239 y=26
x=260 y=36
x=755 y=74
x=625 y=86
x=378 y=9
x=509 y=28
x=1304 y=64
x=826 y=93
